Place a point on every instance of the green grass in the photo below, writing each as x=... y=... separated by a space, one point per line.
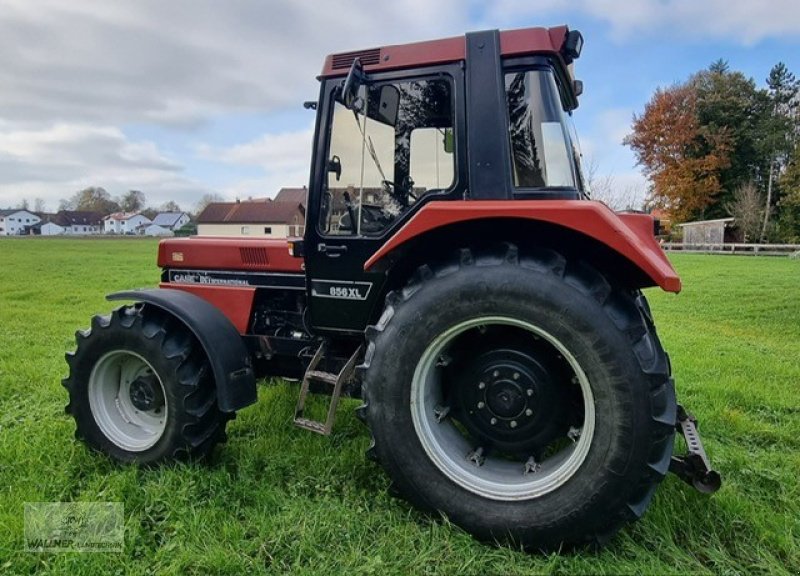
x=277 y=499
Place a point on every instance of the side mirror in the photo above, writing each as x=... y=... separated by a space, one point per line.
x=355 y=77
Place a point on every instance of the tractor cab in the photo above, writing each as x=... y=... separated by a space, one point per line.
x=481 y=117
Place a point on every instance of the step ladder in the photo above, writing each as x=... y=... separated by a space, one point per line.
x=334 y=380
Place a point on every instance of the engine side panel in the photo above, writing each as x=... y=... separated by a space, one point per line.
x=266 y=255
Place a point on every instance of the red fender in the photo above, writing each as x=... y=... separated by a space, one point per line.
x=631 y=235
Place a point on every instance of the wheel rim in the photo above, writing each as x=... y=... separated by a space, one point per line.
x=127 y=400
x=485 y=470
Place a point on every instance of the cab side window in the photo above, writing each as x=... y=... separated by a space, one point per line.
x=394 y=148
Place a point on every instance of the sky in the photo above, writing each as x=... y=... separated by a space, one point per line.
x=181 y=98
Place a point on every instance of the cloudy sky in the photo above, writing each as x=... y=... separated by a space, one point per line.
x=182 y=97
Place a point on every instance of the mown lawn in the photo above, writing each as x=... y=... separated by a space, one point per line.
x=277 y=499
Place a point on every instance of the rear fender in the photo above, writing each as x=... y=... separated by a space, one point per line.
x=226 y=352
x=629 y=235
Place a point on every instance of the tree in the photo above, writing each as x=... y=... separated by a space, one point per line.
x=132 y=201
x=682 y=158
x=24 y=204
x=170 y=206
x=789 y=221
x=38 y=205
x=780 y=128
x=747 y=209
x=205 y=200
x=604 y=188
x=729 y=105
x=92 y=199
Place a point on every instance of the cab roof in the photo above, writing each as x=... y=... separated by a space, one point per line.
x=522 y=42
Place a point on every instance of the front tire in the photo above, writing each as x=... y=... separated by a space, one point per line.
x=522 y=396
x=141 y=388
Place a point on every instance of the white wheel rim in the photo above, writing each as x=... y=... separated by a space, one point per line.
x=496 y=478
x=120 y=421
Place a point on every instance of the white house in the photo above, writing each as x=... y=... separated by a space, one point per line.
x=51 y=229
x=171 y=220
x=79 y=223
x=122 y=223
x=156 y=230
x=14 y=222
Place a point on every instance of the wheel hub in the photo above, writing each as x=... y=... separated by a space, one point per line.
x=145 y=393
x=511 y=400
x=506 y=399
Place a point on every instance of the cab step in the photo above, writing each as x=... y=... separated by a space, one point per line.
x=336 y=380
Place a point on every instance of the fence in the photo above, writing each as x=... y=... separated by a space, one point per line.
x=734 y=248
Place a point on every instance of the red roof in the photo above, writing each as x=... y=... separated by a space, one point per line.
x=268 y=212
x=296 y=195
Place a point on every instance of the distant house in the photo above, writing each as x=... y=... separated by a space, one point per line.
x=78 y=222
x=156 y=230
x=124 y=223
x=47 y=229
x=264 y=218
x=295 y=195
x=701 y=232
x=171 y=220
x=14 y=222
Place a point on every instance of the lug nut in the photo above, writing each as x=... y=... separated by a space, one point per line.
x=496 y=373
x=513 y=423
x=481 y=385
x=493 y=421
x=528 y=412
x=481 y=404
x=516 y=375
x=530 y=391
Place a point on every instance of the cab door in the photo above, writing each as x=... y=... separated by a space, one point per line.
x=375 y=163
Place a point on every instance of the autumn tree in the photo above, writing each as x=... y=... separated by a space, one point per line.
x=681 y=158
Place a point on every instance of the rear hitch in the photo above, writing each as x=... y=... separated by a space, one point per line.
x=693 y=467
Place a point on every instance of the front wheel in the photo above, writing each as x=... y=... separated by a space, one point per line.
x=141 y=388
x=522 y=396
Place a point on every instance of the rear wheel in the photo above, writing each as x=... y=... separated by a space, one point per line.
x=141 y=389
x=524 y=397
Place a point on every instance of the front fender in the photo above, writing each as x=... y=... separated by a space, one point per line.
x=630 y=235
x=227 y=354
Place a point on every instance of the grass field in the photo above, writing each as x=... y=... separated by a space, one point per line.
x=277 y=499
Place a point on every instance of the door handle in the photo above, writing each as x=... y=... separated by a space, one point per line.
x=331 y=250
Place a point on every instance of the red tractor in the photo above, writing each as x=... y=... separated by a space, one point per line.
x=454 y=275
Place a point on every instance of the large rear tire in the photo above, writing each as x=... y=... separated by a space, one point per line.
x=522 y=396
x=141 y=388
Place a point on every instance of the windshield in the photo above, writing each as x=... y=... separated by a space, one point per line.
x=393 y=148
x=541 y=152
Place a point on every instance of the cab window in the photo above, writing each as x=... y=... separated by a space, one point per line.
x=394 y=147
